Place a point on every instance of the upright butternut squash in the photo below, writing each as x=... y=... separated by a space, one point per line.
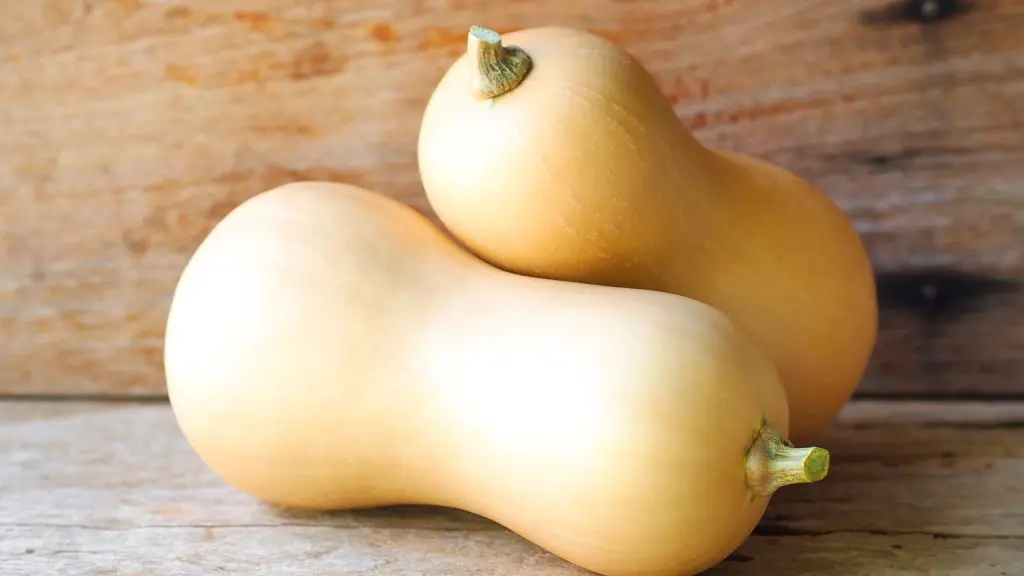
x=328 y=347
x=553 y=153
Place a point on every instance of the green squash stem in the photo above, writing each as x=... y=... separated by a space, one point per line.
x=494 y=69
x=773 y=462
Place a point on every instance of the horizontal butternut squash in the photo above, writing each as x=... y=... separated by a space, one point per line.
x=553 y=153
x=330 y=348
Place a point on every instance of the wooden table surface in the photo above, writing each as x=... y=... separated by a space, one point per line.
x=94 y=488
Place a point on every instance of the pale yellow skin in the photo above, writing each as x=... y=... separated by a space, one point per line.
x=583 y=172
x=328 y=347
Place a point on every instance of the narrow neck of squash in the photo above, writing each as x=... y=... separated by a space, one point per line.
x=495 y=69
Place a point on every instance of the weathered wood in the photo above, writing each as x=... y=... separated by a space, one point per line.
x=915 y=488
x=947 y=334
x=248 y=551
x=131 y=127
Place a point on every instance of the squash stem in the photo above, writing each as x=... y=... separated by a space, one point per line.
x=496 y=69
x=773 y=462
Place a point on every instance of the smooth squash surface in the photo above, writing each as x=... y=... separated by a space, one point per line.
x=552 y=152
x=328 y=347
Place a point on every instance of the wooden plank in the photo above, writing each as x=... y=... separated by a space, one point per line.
x=114 y=489
x=241 y=551
x=131 y=127
x=12 y=412
x=948 y=334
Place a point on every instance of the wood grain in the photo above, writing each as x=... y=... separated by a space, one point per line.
x=132 y=126
x=947 y=334
x=915 y=488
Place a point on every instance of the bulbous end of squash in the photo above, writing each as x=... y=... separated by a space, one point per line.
x=773 y=462
x=495 y=69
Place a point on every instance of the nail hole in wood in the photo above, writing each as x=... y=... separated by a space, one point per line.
x=939 y=294
x=920 y=11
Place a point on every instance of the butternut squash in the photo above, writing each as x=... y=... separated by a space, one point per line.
x=328 y=347
x=553 y=153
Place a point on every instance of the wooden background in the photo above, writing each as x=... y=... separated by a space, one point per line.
x=130 y=127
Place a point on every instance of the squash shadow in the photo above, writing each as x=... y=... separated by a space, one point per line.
x=402 y=517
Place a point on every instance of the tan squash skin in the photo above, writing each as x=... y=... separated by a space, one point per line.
x=328 y=347
x=583 y=172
